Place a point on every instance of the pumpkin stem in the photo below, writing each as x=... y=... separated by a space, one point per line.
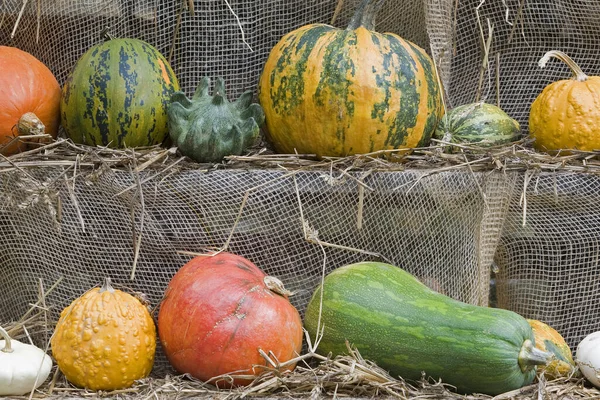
x=30 y=124
x=530 y=356
x=7 y=346
x=107 y=287
x=365 y=15
x=578 y=74
x=275 y=285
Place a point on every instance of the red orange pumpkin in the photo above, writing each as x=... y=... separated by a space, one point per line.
x=28 y=89
x=218 y=311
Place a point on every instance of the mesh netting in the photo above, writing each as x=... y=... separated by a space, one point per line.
x=434 y=226
x=231 y=39
x=444 y=228
x=521 y=32
x=549 y=253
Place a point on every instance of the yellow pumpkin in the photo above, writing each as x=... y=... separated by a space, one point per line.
x=548 y=339
x=104 y=340
x=566 y=114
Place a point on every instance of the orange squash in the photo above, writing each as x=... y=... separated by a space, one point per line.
x=29 y=99
x=337 y=92
x=548 y=339
x=566 y=114
x=104 y=340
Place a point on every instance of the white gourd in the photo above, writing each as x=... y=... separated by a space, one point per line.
x=23 y=367
x=588 y=358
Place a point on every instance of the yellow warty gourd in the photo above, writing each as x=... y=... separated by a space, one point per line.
x=105 y=340
x=566 y=114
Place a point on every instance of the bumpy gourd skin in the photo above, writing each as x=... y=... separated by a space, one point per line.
x=208 y=128
x=566 y=115
x=105 y=340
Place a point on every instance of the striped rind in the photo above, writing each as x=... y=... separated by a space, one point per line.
x=334 y=92
x=117 y=95
x=405 y=327
x=478 y=123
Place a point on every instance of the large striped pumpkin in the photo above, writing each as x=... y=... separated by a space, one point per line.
x=117 y=95
x=338 y=92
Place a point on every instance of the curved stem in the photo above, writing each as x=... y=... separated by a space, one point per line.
x=577 y=72
x=7 y=340
x=530 y=356
x=275 y=285
x=365 y=15
x=107 y=287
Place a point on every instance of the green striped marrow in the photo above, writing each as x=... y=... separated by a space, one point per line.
x=338 y=92
x=399 y=323
x=482 y=124
x=117 y=95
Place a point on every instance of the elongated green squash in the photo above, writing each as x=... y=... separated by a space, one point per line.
x=406 y=328
x=117 y=95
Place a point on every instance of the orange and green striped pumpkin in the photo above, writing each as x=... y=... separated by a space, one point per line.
x=117 y=95
x=338 y=92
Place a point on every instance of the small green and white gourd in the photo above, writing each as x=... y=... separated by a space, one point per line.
x=479 y=124
x=208 y=128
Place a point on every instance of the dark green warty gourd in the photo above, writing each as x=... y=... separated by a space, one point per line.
x=207 y=128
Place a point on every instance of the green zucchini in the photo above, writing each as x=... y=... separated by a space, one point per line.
x=404 y=327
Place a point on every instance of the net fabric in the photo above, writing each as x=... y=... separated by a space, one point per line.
x=231 y=39
x=293 y=226
x=521 y=31
x=547 y=258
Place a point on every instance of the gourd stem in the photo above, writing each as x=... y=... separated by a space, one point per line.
x=275 y=285
x=219 y=92
x=365 y=15
x=7 y=344
x=30 y=124
x=577 y=72
x=530 y=356
x=107 y=287
x=105 y=34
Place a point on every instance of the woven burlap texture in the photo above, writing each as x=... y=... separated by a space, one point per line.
x=446 y=228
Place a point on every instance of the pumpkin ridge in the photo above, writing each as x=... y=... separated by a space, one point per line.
x=400 y=132
x=431 y=105
x=295 y=51
x=382 y=80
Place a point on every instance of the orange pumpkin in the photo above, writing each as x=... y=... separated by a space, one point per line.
x=104 y=340
x=566 y=114
x=218 y=312
x=29 y=99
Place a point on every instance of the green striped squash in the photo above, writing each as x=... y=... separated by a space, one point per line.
x=399 y=323
x=482 y=124
x=338 y=92
x=117 y=95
